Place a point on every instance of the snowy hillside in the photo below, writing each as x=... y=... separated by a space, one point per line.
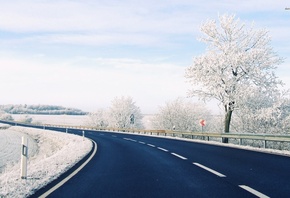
x=50 y=154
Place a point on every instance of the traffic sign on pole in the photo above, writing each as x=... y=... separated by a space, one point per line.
x=202 y=122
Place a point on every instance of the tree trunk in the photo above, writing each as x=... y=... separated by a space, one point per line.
x=228 y=118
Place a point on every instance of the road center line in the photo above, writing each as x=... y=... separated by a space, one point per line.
x=209 y=169
x=162 y=149
x=151 y=145
x=179 y=156
x=253 y=191
x=141 y=142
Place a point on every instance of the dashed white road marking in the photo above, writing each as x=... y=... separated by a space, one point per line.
x=141 y=142
x=151 y=145
x=129 y=139
x=162 y=149
x=209 y=169
x=253 y=191
x=179 y=156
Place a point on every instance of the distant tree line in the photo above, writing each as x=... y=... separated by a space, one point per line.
x=40 y=109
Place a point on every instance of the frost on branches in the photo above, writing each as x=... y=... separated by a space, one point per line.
x=181 y=115
x=264 y=113
x=123 y=113
x=236 y=59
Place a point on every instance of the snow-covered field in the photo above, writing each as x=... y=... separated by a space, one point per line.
x=50 y=154
x=72 y=120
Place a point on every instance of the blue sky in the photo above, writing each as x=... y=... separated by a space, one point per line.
x=84 y=53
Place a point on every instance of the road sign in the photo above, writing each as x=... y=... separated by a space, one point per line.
x=202 y=122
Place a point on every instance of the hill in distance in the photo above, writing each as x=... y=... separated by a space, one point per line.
x=40 y=109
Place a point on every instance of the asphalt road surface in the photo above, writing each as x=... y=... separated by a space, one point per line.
x=127 y=165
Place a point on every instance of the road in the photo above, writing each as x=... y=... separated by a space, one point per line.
x=128 y=165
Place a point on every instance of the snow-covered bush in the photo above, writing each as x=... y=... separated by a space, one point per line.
x=123 y=113
x=6 y=117
x=181 y=115
x=98 y=119
x=263 y=112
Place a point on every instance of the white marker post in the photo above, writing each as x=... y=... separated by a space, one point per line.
x=24 y=155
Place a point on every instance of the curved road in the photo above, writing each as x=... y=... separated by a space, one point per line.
x=128 y=165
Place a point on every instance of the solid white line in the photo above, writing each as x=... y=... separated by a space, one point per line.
x=253 y=191
x=162 y=149
x=141 y=142
x=181 y=157
x=71 y=175
x=151 y=145
x=209 y=169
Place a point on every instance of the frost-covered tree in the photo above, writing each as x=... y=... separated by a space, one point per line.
x=264 y=112
x=236 y=59
x=98 y=118
x=124 y=113
x=181 y=115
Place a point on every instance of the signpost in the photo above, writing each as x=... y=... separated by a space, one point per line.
x=132 y=119
x=24 y=155
x=202 y=124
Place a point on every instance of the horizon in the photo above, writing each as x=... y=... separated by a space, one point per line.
x=83 y=54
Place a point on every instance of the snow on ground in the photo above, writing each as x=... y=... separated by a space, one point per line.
x=10 y=147
x=72 y=120
x=54 y=154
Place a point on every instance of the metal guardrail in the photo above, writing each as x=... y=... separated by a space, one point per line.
x=202 y=135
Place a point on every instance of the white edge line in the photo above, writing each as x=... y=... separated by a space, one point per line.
x=253 y=191
x=179 y=156
x=151 y=145
x=209 y=169
x=162 y=149
x=71 y=175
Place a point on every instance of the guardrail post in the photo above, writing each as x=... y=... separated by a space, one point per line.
x=265 y=143
x=83 y=135
x=241 y=141
x=24 y=154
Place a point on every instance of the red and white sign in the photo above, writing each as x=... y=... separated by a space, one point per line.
x=202 y=122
